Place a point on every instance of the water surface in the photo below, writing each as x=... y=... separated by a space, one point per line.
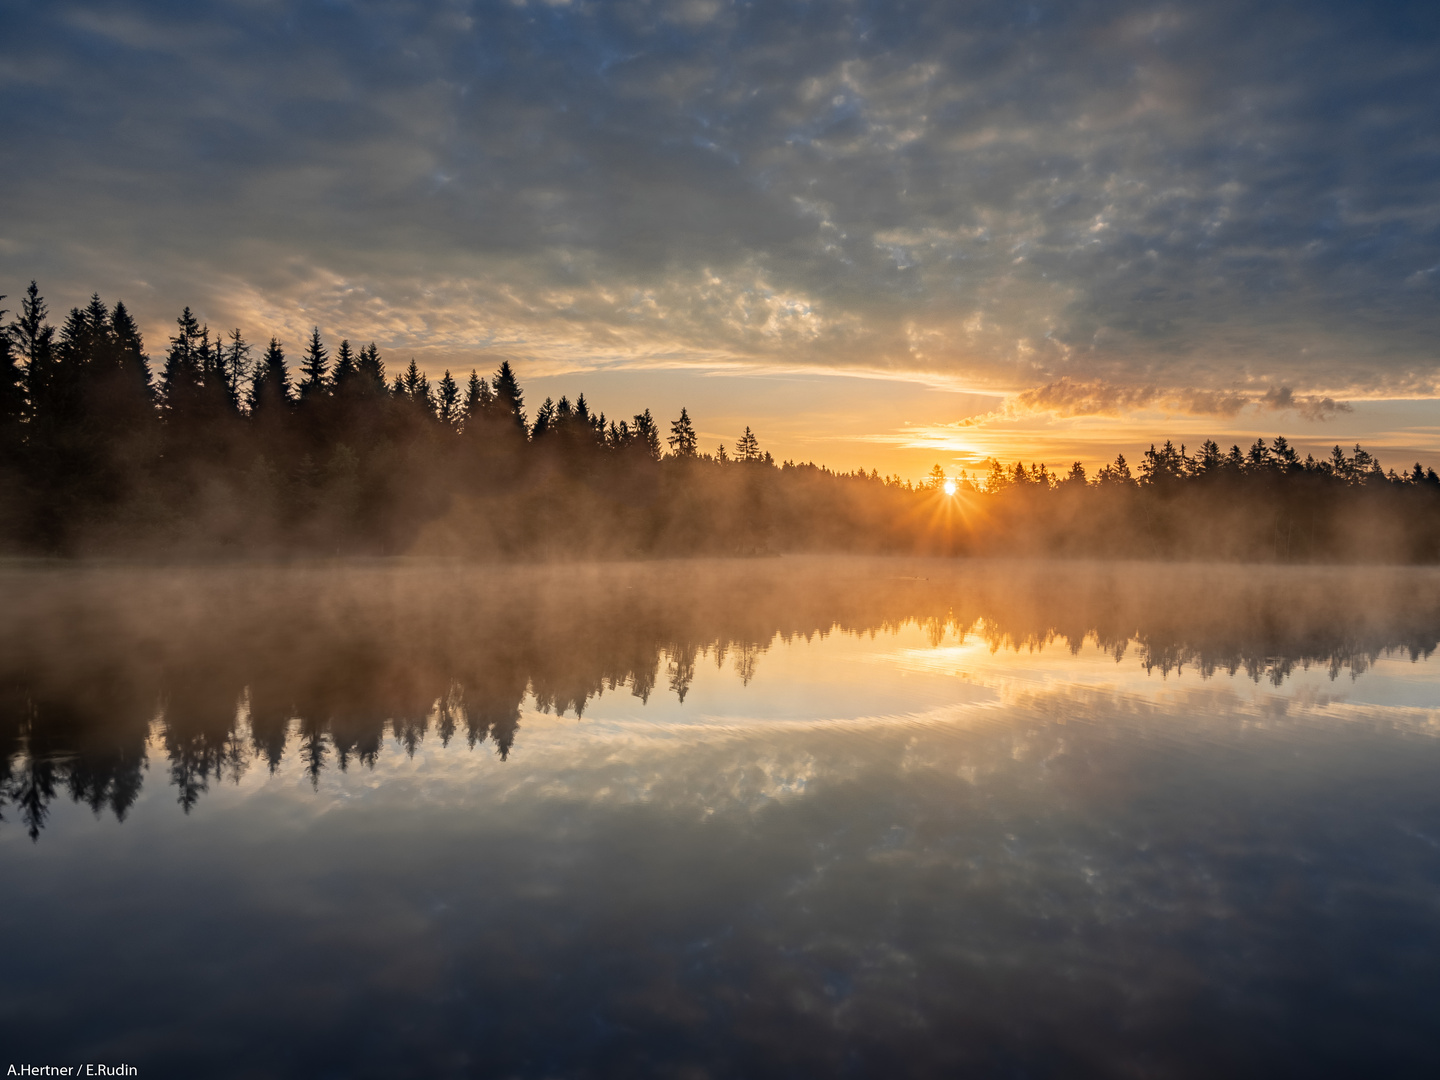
x=756 y=818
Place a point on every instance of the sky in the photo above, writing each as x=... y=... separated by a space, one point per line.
x=882 y=234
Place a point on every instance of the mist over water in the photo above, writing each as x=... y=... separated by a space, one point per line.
x=724 y=818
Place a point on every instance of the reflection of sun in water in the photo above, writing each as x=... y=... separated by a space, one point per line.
x=950 y=487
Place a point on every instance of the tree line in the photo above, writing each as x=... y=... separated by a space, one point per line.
x=1264 y=503
x=224 y=447
x=233 y=448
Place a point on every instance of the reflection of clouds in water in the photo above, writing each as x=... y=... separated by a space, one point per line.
x=1065 y=876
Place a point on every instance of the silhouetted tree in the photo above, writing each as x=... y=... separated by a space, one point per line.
x=544 y=421
x=372 y=370
x=347 y=369
x=181 y=378
x=747 y=448
x=477 y=398
x=416 y=387
x=683 y=440
x=647 y=435
x=314 y=367
x=447 y=402
x=509 y=400
x=235 y=368
x=270 y=392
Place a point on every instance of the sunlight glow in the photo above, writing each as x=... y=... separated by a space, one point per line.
x=950 y=487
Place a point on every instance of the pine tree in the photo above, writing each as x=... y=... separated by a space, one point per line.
x=1209 y=460
x=34 y=339
x=31 y=333
x=235 y=367
x=544 y=421
x=313 y=368
x=509 y=400
x=372 y=370
x=416 y=387
x=346 y=368
x=683 y=440
x=748 y=447
x=1284 y=455
x=447 y=401
x=270 y=392
x=132 y=396
x=477 y=401
x=1117 y=474
x=180 y=378
x=647 y=435
x=998 y=479
x=75 y=358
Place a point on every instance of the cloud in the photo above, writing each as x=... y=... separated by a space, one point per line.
x=1308 y=407
x=1103 y=207
x=1069 y=398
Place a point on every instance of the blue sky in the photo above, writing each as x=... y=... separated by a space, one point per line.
x=877 y=232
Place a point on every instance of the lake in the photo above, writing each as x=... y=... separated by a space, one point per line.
x=746 y=818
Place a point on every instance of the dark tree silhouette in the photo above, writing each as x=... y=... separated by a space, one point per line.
x=92 y=458
x=314 y=368
x=683 y=440
x=748 y=447
x=270 y=392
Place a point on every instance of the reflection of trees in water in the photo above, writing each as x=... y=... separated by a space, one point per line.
x=326 y=668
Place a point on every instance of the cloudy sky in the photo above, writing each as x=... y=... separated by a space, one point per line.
x=881 y=233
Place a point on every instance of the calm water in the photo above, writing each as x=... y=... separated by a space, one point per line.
x=761 y=818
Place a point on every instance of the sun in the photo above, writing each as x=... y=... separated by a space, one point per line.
x=950 y=487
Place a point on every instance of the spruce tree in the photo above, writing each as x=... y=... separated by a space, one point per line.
x=1209 y=460
x=372 y=370
x=647 y=434
x=131 y=398
x=34 y=339
x=683 y=440
x=748 y=447
x=270 y=392
x=509 y=400
x=130 y=350
x=346 y=368
x=477 y=400
x=180 y=378
x=235 y=367
x=416 y=387
x=31 y=333
x=544 y=421
x=313 y=368
x=447 y=401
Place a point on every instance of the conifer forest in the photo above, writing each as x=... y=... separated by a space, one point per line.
x=224 y=447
